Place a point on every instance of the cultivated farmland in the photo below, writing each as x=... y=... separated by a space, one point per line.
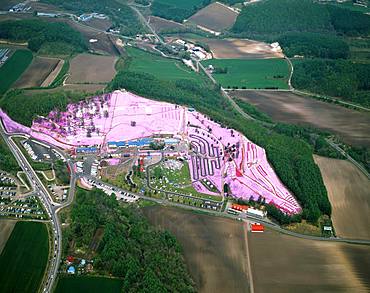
x=37 y=72
x=216 y=17
x=161 y=67
x=240 y=49
x=88 y=284
x=250 y=73
x=24 y=258
x=13 y=68
x=349 y=195
x=87 y=68
x=6 y=228
x=352 y=126
x=214 y=248
x=162 y=25
x=282 y=263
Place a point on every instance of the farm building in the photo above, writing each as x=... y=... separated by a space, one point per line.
x=256 y=213
x=257 y=228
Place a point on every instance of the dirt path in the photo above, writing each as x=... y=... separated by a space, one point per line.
x=349 y=194
x=50 y=78
x=6 y=228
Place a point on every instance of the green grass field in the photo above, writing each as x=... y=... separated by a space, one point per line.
x=251 y=73
x=13 y=68
x=24 y=258
x=178 y=181
x=88 y=284
x=188 y=4
x=161 y=67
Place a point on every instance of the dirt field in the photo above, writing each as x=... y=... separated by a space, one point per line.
x=37 y=72
x=349 y=195
x=240 y=49
x=216 y=17
x=352 y=126
x=101 y=24
x=282 y=263
x=214 y=248
x=6 y=228
x=87 y=68
x=161 y=24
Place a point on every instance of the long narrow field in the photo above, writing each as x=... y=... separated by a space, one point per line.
x=214 y=248
x=88 y=284
x=13 y=68
x=24 y=258
x=6 y=228
x=216 y=17
x=283 y=263
x=161 y=25
x=250 y=73
x=239 y=49
x=352 y=126
x=349 y=195
x=161 y=67
x=37 y=72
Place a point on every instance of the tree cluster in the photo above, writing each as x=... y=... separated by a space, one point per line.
x=148 y=260
x=314 y=45
x=24 y=110
x=270 y=19
x=338 y=78
x=39 y=33
x=174 y=12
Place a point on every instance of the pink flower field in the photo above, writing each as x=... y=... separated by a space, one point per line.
x=216 y=154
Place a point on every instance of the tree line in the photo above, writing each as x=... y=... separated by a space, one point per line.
x=174 y=12
x=146 y=259
x=24 y=109
x=271 y=19
x=39 y=33
x=291 y=157
x=338 y=78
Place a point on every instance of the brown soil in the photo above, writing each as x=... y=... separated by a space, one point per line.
x=37 y=72
x=101 y=24
x=87 y=68
x=214 y=248
x=6 y=228
x=161 y=24
x=349 y=195
x=283 y=263
x=215 y=17
x=351 y=126
x=240 y=49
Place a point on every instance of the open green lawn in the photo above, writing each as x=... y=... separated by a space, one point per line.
x=24 y=258
x=251 y=73
x=13 y=68
x=88 y=284
x=188 y=4
x=176 y=181
x=162 y=68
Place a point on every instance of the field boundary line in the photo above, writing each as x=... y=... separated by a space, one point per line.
x=250 y=274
